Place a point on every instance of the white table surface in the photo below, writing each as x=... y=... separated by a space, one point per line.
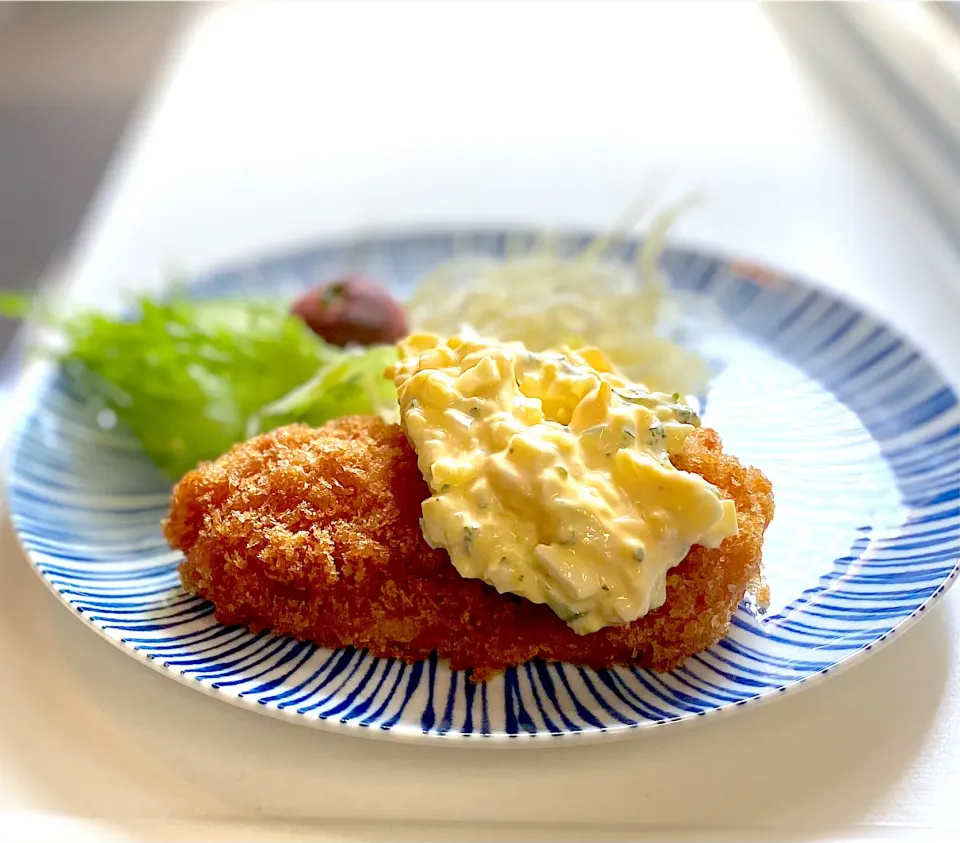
x=275 y=125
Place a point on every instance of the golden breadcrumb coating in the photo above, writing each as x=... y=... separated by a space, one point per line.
x=315 y=533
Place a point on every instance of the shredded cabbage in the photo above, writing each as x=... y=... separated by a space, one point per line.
x=546 y=300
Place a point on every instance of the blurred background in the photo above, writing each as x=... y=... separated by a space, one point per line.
x=270 y=125
x=71 y=78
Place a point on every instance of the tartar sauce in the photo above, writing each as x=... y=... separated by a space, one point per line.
x=551 y=477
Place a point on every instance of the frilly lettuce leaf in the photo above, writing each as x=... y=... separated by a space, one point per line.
x=191 y=378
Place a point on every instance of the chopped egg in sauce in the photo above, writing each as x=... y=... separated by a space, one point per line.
x=550 y=475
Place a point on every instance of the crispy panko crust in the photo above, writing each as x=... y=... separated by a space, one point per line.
x=315 y=533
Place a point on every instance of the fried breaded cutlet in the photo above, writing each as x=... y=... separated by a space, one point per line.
x=315 y=533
